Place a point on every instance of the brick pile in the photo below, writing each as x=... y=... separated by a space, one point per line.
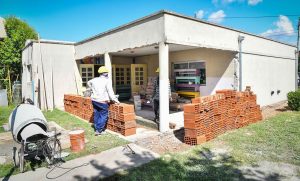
x=210 y=116
x=121 y=118
x=79 y=106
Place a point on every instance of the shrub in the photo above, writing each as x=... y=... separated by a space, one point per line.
x=294 y=100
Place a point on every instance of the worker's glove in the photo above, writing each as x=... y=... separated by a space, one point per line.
x=116 y=101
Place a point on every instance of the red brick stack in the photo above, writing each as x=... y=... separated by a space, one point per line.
x=122 y=119
x=121 y=116
x=209 y=116
x=79 y=106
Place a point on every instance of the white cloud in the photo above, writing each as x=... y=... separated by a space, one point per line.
x=225 y=2
x=284 y=27
x=254 y=2
x=217 y=17
x=228 y=1
x=199 y=14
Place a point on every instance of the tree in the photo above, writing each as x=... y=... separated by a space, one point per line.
x=11 y=47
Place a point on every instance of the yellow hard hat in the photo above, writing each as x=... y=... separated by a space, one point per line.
x=103 y=69
x=157 y=70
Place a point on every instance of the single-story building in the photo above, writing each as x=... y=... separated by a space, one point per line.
x=196 y=56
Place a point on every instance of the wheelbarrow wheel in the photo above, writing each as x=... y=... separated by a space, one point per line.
x=15 y=155
x=21 y=158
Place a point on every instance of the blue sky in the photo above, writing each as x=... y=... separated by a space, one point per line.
x=75 y=20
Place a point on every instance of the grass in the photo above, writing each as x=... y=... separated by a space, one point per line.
x=4 y=115
x=69 y=122
x=276 y=140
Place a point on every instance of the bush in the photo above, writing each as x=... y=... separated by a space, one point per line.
x=294 y=100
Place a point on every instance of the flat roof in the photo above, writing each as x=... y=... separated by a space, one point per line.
x=162 y=12
x=30 y=42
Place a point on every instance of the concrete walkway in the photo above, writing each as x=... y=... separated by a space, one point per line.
x=92 y=167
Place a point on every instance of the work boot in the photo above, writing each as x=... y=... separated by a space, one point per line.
x=97 y=133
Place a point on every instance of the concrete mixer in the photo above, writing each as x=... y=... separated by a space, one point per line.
x=29 y=128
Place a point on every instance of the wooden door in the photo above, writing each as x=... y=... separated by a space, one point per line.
x=138 y=76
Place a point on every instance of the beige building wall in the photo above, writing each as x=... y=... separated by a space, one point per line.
x=121 y=60
x=151 y=61
x=219 y=66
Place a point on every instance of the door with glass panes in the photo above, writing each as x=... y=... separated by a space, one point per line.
x=87 y=73
x=138 y=77
x=120 y=76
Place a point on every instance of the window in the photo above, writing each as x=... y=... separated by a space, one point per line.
x=87 y=73
x=191 y=69
x=122 y=74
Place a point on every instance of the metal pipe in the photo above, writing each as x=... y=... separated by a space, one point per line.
x=240 y=39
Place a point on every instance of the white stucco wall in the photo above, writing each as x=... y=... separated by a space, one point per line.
x=267 y=65
x=60 y=73
x=192 y=32
x=137 y=35
x=266 y=74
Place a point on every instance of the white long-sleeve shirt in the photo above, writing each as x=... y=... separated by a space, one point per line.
x=102 y=89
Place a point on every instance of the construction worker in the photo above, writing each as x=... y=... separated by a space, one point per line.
x=155 y=97
x=102 y=94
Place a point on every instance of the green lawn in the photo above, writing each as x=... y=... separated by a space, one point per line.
x=69 y=122
x=4 y=114
x=276 y=140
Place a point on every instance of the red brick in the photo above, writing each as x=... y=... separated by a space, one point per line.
x=126 y=117
x=125 y=125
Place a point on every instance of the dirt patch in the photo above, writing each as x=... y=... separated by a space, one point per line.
x=165 y=142
x=274 y=109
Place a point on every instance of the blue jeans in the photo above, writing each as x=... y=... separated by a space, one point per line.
x=100 y=115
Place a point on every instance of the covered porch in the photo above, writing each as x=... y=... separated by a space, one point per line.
x=192 y=71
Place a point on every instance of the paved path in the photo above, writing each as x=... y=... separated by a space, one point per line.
x=92 y=167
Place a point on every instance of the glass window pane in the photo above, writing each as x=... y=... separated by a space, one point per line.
x=141 y=82
x=83 y=74
x=137 y=78
x=90 y=69
x=90 y=74
x=141 y=73
x=136 y=69
x=84 y=84
x=136 y=74
x=84 y=79
x=141 y=78
x=83 y=69
x=136 y=83
x=141 y=68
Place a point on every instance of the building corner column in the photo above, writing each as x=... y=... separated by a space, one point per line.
x=107 y=63
x=163 y=87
